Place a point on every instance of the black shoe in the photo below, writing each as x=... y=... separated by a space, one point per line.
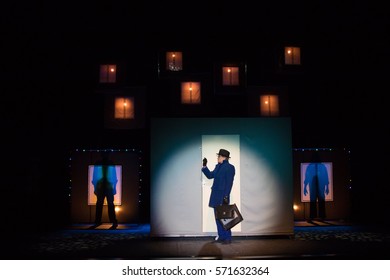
x=114 y=226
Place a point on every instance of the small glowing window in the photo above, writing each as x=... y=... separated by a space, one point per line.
x=174 y=61
x=292 y=56
x=230 y=76
x=190 y=93
x=269 y=105
x=124 y=108
x=108 y=73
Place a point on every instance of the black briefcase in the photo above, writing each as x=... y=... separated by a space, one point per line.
x=228 y=215
x=224 y=211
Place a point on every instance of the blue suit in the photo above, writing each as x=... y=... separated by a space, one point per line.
x=223 y=175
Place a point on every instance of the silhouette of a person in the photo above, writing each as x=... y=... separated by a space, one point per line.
x=104 y=180
x=316 y=176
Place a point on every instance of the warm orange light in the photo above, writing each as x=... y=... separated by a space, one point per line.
x=190 y=93
x=295 y=207
x=117 y=209
x=292 y=55
x=124 y=108
x=107 y=73
x=174 y=61
x=230 y=76
x=269 y=105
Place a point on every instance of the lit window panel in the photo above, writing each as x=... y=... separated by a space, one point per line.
x=230 y=76
x=190 y=93
x=174 y=61
x=108 y=73
x=292 y=56
x=269 y=105
x=124 y=108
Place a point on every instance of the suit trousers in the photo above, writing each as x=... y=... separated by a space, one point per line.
x=222 y=233
x=110 y=204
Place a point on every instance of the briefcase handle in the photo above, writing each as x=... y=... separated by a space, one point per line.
x=225 y=200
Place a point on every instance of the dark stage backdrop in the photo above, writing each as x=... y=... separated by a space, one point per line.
x=128 y=210
x=261 y=151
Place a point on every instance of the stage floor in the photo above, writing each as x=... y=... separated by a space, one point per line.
x=316 y=240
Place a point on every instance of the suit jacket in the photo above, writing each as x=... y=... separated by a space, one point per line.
x=104 y=179
x=223 y=175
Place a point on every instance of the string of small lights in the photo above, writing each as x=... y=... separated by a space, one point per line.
x=125 y=150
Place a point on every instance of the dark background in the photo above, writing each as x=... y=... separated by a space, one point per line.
x=49 y=69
